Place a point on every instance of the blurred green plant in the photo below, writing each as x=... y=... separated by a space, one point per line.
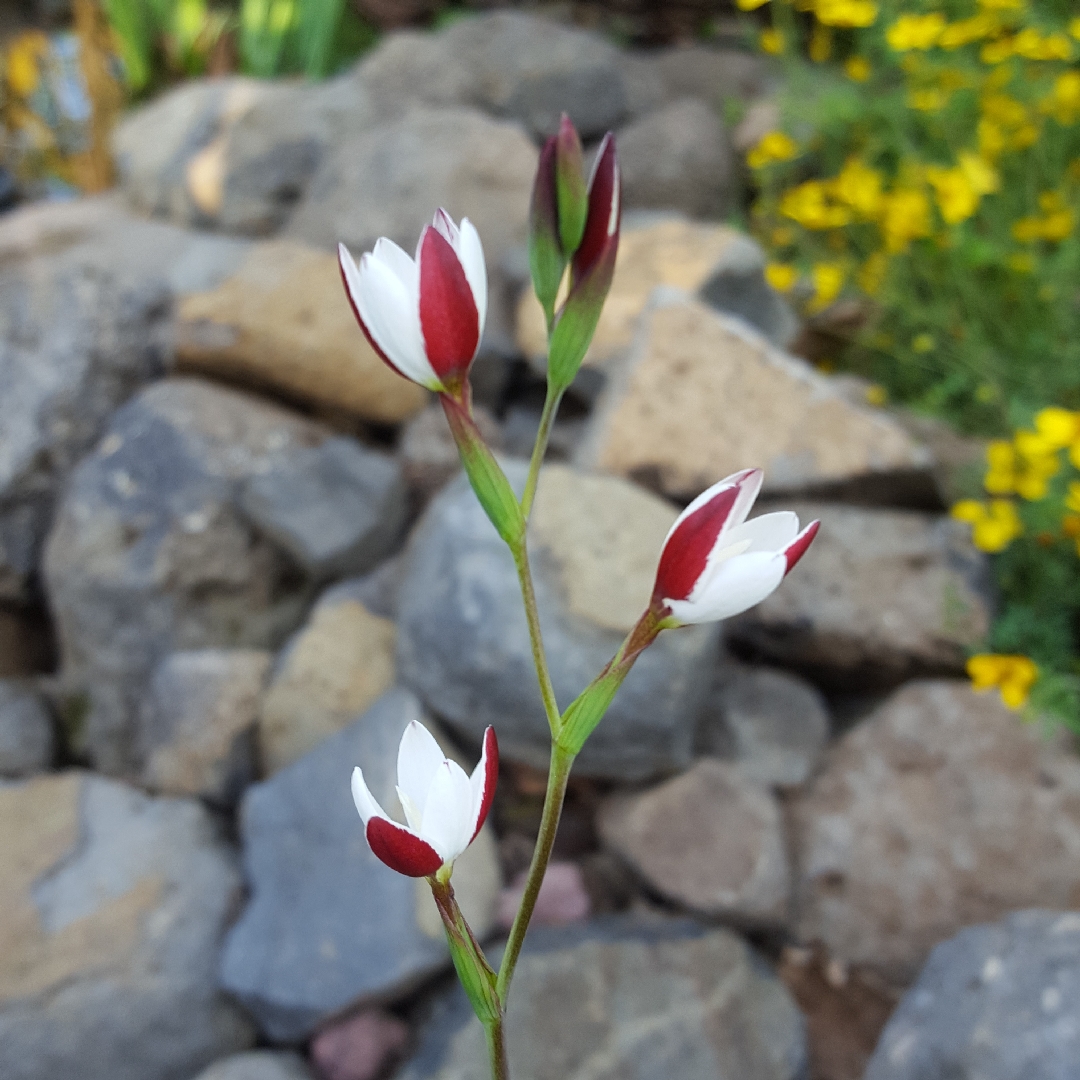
x=160 y=41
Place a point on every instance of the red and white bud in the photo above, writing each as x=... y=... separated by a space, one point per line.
x=715 y=563
x=423 y=316
x=444 y=807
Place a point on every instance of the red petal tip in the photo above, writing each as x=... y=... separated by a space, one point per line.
x=400 y=849
x=797 y=548
x=491 y=776
x=449 y=320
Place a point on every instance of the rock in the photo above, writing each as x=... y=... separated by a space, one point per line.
x=329 y=927
x=114 y=904
x=85 y=294
x=170 y=153
x=759 y=119
x=657 y=416
x=652 y=1000
x=996 y=1002
x=259 y=1065
x=710 y=840
x=359 y=1047
x=678 y=158
x=198 y=723
x=939 y=811
x=882 y=596
x=668 y=251
x=463 y=642
x=27 y=742
x=562 y=899
x=773 y=724
x=332 y=669
x=274 y=148
x=150 y=552
x=428 y=453
x=283 y=323
x=711 y=74
x=336 y=508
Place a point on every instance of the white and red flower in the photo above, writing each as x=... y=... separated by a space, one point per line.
x=423 y=316
x=715 y=563
x=444 y=807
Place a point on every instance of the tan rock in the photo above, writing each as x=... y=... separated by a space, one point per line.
x=605 y=568
x=282 y=322
x=674 y=252
x=701 y=395
x=336 y=666
x=941 y=810
x=710 y=840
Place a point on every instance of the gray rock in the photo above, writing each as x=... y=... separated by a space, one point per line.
x=463 y=642
x=336 y=508
x=996 y=1002
x=27 y=741
x=613 y=998
x=883 y=595
x=773 y=724
x=85 y=296
x=328 y=926
x=114 y=905
x=678 y=158
x=259 y=1065
x=710 y=840
x=938 y=811
x=737 y=286
x=198 y=723
x=150 y=553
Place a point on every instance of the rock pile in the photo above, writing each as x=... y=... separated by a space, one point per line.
x=250 y=544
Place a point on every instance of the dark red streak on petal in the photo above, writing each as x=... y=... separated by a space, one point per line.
x=363 y=326
x=543 y=207
x=491 y=776
x=797 y=548
x=448 y=316
x=687 y=550
x=400 y=850
x=601 y=192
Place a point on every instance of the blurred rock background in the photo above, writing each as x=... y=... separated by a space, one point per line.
x=236 y=558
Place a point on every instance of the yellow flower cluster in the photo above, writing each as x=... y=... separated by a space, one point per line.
x=1056 y=221
x=773 y=146
x=994 y=524
x=846 y=12
x=1013 y=675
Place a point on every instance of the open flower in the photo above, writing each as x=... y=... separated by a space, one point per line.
x=443 y=806
x=715 y=563
x=423 y=316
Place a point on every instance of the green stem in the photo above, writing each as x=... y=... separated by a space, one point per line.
x=558 y=775
x=528 y=596
x=547 y=418
x=496 y=1043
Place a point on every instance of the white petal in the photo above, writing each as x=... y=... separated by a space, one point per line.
x=365 y=802
x=392 y=317
x=471 y=253
x=418 y=760
x=413 y=814
x=751 y=485
x=442 y=222
x=737 y=585
x=477 y=782
x=770 y=532
x=400 y=262
x=447 y=824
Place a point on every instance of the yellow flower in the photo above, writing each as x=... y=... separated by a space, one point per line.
x=771 y=41
x=994 y=525
x=957 y=199
x=781 y=276
x=1074 y=28
x=857 y=68
x=1072 y=499
x=24 y=62
x=905 y=217
x=846 y=12
x=1032 y=45
x=982 y=176
x=1014 y=675
x=915 y=31
x=1000 y=478
x=1058 y=427
x=991 y=139
x=996 y=52
x=1063 y=101
x=872 y=273
x=772 y=146
x=923 y=343
x=876 y=395
x=809 y=205
x=1002 y=5
x=1056 y=222
x=859 y=187
x=964 y=32
x=828 y=279
x=819 y=48
x=931 y=99
x=750 y=5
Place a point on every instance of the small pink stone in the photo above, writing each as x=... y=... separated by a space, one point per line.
x=358 y=1047
x=563 y=898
